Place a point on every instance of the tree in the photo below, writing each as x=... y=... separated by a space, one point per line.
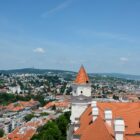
x=48 y=136
x=69 y=90
x=1 y=132
x=40 y=98
x=54 y=130
x=115 y=97
x=54 y=107
x=49 y=131
x=28 y=117
x=44 y=114
x=54 y=133
x=62 y=123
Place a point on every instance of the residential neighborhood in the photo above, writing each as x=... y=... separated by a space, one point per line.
x=69 y=69
x=40 y=98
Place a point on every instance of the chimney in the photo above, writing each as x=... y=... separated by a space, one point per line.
x=93 y=104
x=108 y=116
x=119 y=128
x=95 y=113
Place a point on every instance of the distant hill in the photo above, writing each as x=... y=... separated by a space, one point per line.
x=43 y=71
x=32 y=70
x=119 y=75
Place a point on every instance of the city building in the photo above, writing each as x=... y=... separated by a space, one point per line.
x=27 y=130
x=58 y=105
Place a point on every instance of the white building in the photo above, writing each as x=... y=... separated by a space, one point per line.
x=14 y=90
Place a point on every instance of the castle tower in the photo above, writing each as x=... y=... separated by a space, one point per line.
x=81 y=85
x=81 y=95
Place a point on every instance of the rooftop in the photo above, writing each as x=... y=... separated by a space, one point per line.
x=82 y=77
x=81 y=99
x=130 y=112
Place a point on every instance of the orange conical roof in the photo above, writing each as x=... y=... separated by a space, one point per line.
x=82 y=77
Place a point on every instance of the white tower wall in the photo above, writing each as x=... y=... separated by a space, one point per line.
x=77 y=110
x=82 y=90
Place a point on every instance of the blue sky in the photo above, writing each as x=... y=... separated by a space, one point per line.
x=103 y=35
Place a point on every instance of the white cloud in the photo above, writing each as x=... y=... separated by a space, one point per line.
x=124 y=59
x=59 y=7
x=39 y=50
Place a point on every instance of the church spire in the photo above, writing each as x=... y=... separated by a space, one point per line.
x=82 y=77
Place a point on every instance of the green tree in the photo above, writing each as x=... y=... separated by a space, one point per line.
x=44 y=114
x=54 y=130
x=50 y=131
x=1 y=132
x=28 y=117
x=62 y=123
x=54 y=107
x=48 y=136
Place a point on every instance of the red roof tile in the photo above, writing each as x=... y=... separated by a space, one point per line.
x=20 y=105
x=99 y=130
x=82 y=76
x=57 y=104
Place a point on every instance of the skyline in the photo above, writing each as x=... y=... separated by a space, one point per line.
x=101 y=35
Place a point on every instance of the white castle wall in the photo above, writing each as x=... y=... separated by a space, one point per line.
x=77 y=110
x=82 y=89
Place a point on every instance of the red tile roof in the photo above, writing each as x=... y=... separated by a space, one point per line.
x=82 y=77
x=98 y=127
x=20 y=105
x=29 y=131
x=99 y=130
x=57 y=104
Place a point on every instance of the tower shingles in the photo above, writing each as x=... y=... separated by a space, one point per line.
x=82 y=77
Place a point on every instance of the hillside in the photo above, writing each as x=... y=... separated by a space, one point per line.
x=43 y=71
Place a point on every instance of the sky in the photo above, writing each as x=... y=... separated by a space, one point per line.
x=103 y=35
